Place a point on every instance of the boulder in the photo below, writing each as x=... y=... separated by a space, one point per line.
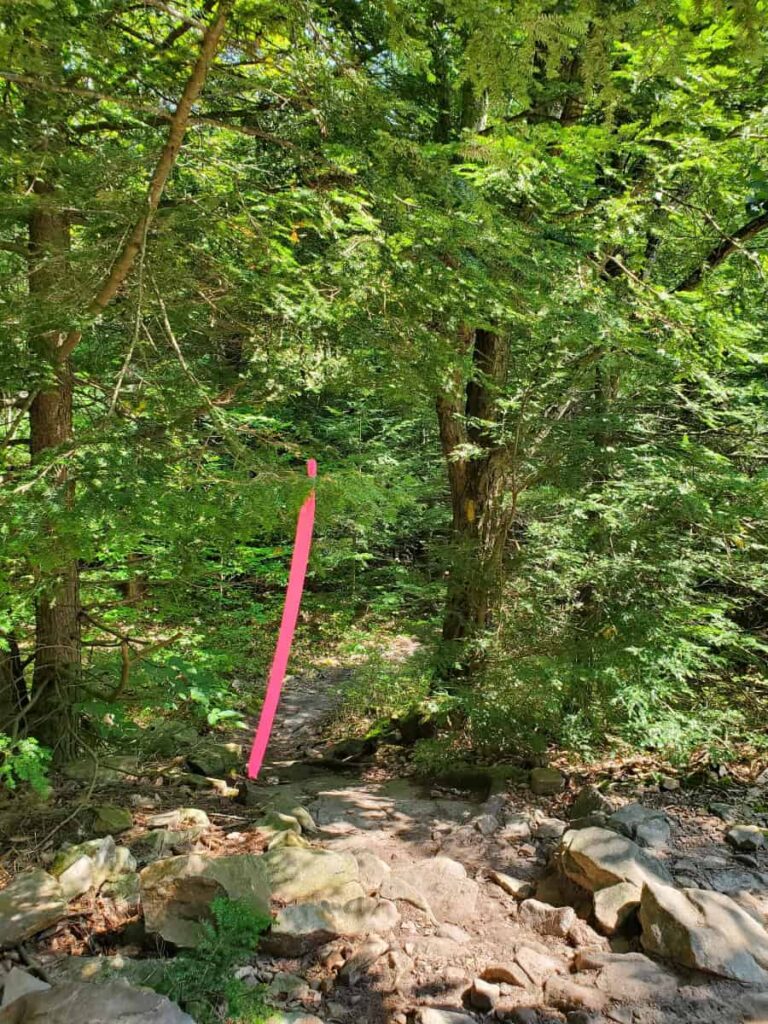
x=33 y=901
x=210 y=758
x=517 y=887
x=704 y=930
x=546 y=920
x=110 y=820
x=112 y=1003
x=88 y=865
x=595 y=858
x=646 y=825
x=19 y=983
x=614 y=906
x=300 y=874
x=569 y=994
x=444 y=884
x=546 y=781
x=628 y=977
x=176 y=893
x=549 y=829
x=372 y=871
x=746 y=837
x=299 y=928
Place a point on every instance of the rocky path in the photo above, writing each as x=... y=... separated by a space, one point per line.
x=542 y=901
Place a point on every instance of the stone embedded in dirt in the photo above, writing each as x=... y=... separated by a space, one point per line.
x=539 y=966
x=163 y=842
x=372 y=871
x=582 y=934
x=628 y=977
x=363 y=957
x=88 y=865
x=215 y=759
x=483 y=995
x=285 y=986
x=546 y=781
x=109 y=820
x=444 y=884
x=746 y=837
x=506 y=974
x=615 y=905
x=723 y=811
x=546 y=920
x=486 y=824
x=179 y=818
x=549 y=829
x=19 y=983
x=517 y=887
x=591 y=800
x=34 y=900
x=288 y=838
x=567 y=994
x=516 y=829
x=704 y=930
x=304 y=926
x=281 y=822
x=453 y=933
x=85 y=1003
x=430 y=1015
x=595 y=858
x=176 y=893
x=395 y=887
x=113 y=768
x=646 y=825
x=297 y=874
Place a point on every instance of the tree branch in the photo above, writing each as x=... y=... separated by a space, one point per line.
x=179 y=122
x=724 y=248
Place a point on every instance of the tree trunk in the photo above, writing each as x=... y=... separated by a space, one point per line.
x=55 y=684
x=480 y=502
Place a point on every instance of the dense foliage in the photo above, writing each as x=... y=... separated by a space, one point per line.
x=500 y=268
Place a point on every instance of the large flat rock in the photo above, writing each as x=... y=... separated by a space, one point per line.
x=595 y=858
x=298 y=874
x=33 y=901
x=83 y=1003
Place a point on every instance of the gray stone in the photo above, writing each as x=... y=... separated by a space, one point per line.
x=614 y=906
x=33 y=901
x=110 y=820
x=395 y=887
x=111 y=1003
x=516 y=829
x=363 y=957
x=88 y=865
x=176 y=893
x=595 y=858
x=114 y=768
x=286 y=986
x=567 y=994
x=299 y=874
x=483 y=995
x=589 y=801
x=546 y=781
x=179 y=817
x=539 y=966
x=444 y=884
x=723 y=811
x=372 y=871
x=298 y=929
x=648 y=826
x=18 y=983
x=704 y=930
x=549 y=829
x=216 y=759
x=487 y=824
x=546 y=920
x=628 y=977
x=517 y=887
x=746 y=837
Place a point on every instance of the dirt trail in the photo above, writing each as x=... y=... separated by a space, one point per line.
x=458 y=925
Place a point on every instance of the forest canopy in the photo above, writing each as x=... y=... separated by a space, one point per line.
x=500 y=267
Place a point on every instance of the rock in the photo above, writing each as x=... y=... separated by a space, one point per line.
x=110 y=820
x=288 y=838
x=614 y=905
x=18 y=983
x=539 y=966
x=723 y=811
x=486 y=824
x=589 y=800
x=549 y=829
x=84 y=1003
x=362 y=959
x=88 y=865
x=483 y=995
x=546 y=781
x=704 y=930
x=176 y=893
x=567 y=994
x=516 y=887
x=444 y=884
x=628 y=977
x=395 y=887
x=292 y=1018
x=581 y=934
x=453 y=933
x=179 y=817
x=525 y=1015
x=558 y=890
x=215 y=759
x=163 y=843
x=546 y=920
x=506 y=974
x=516 y=829
x=430 y=1015
x=286 y=986
x=114 y=768
x=648 y=826
x=595 y=858
x=33 y=901
x=372 y=871
x=296 y=874
x=304 y=926
x=754 y=1009
x=669 y=784
x=281 y=822
x=746 y=837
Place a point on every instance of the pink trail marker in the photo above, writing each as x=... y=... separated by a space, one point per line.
x=293 y=594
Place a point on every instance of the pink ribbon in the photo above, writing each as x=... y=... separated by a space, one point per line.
x=293 y=594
